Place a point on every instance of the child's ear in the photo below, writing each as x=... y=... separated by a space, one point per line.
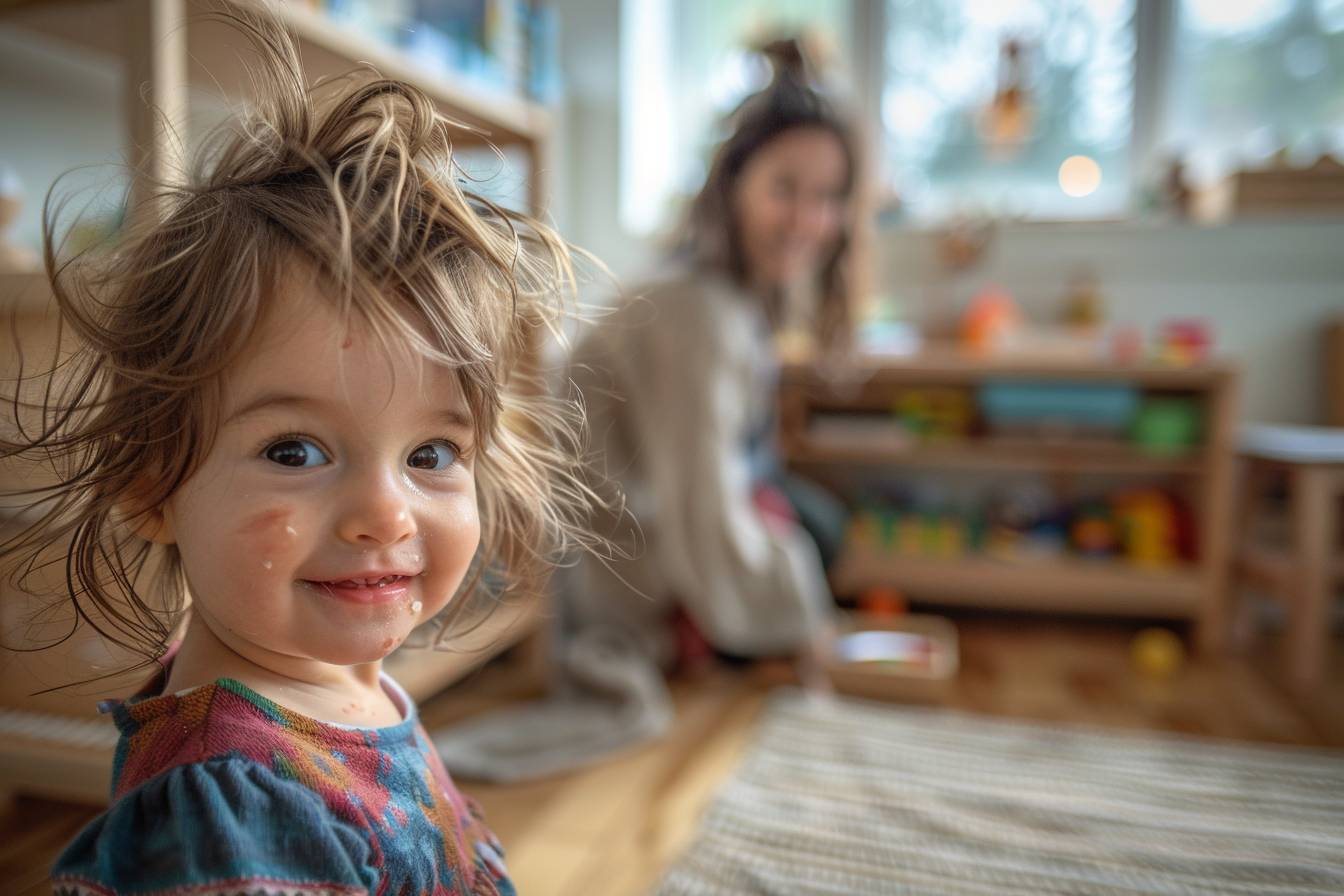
x=151 y=521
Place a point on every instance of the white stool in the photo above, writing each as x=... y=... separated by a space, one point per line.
x=1302 y=577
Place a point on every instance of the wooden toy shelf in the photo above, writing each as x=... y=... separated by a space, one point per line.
x=169 y=48
x=167 y=53
x=866 y=385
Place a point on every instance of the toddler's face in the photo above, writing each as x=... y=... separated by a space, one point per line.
x=337 y=507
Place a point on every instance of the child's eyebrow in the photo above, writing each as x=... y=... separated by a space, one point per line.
x=270 y=399
x=450 y=416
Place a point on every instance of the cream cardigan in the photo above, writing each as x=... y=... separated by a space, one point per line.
x=677 y=382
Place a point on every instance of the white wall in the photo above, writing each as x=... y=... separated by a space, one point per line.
x=62 y=116
x=58 y=111
x=1266 y=288
x=586 y=195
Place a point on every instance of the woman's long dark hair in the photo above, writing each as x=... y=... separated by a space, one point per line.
x=791 y=101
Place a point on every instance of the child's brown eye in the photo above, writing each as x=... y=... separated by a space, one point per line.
x=296 y=453
x=438 y=455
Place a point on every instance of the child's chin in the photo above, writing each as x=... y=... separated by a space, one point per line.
x=359 y=654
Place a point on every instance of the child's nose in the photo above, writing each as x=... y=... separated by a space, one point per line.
x=377 y=513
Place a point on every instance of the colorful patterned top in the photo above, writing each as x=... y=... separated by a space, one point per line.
x=218 y=790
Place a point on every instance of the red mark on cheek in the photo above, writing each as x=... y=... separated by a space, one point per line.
x=349 y=341
x=388 y=643
x=269 y=529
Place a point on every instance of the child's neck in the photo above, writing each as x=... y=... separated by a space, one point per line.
x=350 y=695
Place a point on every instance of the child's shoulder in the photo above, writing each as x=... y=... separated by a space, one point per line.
x=217 y=825
x=224 y=719
x=220 y=786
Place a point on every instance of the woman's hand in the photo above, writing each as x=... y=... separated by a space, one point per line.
x=813 y=658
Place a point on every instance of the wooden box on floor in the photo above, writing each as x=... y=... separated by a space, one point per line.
x=910 y=683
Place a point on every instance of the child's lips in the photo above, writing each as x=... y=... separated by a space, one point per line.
x=365 y=589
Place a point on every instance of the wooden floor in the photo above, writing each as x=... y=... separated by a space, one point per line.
x=611 y=830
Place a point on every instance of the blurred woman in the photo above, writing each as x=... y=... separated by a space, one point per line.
x=680 y=384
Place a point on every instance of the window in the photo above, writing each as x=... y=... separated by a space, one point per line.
x=1253 y=78
x=1223 y=84
x=685 y=64
x=1008 y=106
x=1101 y=94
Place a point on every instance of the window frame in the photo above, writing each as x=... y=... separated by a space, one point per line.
x=1154 y=39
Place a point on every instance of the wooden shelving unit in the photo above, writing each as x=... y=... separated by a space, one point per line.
x=866 y=385
x=167 y=49
x=1073 y=455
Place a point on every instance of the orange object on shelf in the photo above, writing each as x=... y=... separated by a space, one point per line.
x=883 y=601
x=990 y=322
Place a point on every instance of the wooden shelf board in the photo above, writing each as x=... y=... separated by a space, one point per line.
x=949 y=366
x=327 y=48
x=1275 y=565
x=995 y=454
x=1065 y=585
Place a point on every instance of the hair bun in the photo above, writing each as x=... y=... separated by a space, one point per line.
x=788 y=61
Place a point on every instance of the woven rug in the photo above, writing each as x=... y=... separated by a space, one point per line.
x=847 y=796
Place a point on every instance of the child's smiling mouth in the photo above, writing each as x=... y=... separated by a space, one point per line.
x=373 y=588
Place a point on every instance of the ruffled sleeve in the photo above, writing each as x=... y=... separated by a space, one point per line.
x=214 y=827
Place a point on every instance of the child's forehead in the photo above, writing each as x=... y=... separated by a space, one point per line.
x=308 y=345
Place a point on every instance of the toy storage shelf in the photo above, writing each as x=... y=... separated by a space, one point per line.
x=170 y=49
x=328 y=48
x=1065 y=585
x=866 y=387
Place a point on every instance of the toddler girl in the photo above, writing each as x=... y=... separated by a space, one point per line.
x=295 y=399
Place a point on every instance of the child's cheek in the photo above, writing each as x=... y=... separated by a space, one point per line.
x=451 y=538
x=268 y=537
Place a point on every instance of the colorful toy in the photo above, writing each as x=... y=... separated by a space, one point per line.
x=1148 y=522
x=1044 y=540
x=1093 y=532
x=864 y=531
x=1126 y=344
x=950 y=539
x=991 y=322
x=883 y=601
x=1084 y=308
x=935 y=413
x=1167 y=425
x=1157 y=653
x=1058 y=408
x=1184 y=342
x=1148 y=527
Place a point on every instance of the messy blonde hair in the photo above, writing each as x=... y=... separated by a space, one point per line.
x=355 y=180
